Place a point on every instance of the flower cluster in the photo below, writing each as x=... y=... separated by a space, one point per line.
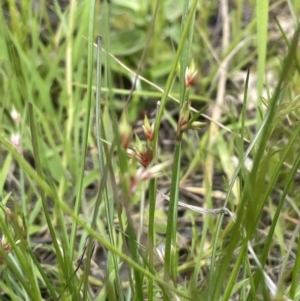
x=185 y=122
x=15 y=138
x=190 y=74
x=143 y=150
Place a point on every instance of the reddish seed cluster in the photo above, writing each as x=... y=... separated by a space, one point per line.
x=143 y=151
x=148 y=129
x=190 y=74
x=144 y=155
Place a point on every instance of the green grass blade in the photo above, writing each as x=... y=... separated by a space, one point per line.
x=262 y=14
x=295 y=274
x=87 y=120
x=64 y=263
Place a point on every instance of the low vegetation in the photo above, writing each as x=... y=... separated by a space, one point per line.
x=149 y=150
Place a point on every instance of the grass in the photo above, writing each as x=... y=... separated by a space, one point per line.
x=102 y=202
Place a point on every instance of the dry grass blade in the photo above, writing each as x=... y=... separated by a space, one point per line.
x=268 y=281
x=222 y=210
